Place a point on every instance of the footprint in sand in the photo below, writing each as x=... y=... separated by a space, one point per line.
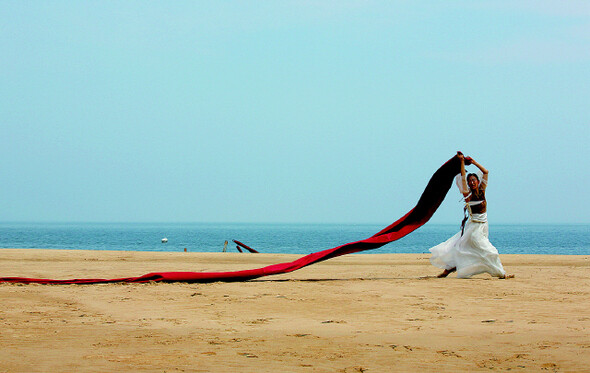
x=247 y=354
x=355 y=369
x=448 y=353
x=259 y=321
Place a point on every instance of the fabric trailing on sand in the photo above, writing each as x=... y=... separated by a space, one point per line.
x=431 y=198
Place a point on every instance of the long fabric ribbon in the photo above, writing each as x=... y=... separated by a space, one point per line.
x=431 y=198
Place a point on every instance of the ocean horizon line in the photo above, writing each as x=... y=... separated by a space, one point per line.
x=99 y=222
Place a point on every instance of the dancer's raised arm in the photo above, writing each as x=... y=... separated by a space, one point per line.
x=464 y=189
x=484 y=179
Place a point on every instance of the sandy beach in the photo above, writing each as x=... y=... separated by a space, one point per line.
x=357 y=313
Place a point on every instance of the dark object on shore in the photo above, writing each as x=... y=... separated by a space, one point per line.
x=245 y=247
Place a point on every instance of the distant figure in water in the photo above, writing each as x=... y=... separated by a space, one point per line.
x=469 y=252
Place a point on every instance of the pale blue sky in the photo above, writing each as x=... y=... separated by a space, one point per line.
x=290 y=111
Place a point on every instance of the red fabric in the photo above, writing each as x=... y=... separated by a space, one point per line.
x=431 y=198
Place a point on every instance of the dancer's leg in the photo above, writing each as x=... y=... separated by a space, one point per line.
x=446 y=272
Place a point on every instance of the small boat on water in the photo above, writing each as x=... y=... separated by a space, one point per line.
x=164 y=240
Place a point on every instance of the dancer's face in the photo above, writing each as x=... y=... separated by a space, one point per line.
x=473 y=182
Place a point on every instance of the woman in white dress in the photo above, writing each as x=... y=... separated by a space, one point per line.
x=470 y=252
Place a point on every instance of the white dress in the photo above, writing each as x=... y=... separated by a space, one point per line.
x=471 y=253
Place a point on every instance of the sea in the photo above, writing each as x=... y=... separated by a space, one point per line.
x=279 y=238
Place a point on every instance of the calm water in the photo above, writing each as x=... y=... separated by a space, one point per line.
x=280 y=238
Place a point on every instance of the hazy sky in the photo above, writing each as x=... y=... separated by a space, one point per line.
x=290 y=111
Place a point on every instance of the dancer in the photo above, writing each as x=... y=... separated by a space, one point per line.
x=469 y=252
